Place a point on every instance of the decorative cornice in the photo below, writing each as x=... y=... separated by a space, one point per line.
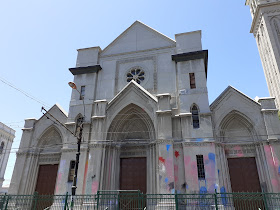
x=164 y=111
x=27 y=129
x=98 y=117
x=85 y=70
x=269 y=110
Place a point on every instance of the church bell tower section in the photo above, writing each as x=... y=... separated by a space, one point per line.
x=266 y=30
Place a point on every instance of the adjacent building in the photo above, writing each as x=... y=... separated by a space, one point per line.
x=148 y=125
x=266 y=30
x=7 y=136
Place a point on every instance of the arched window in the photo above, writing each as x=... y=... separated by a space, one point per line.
x=195 y=116
x=2 y=147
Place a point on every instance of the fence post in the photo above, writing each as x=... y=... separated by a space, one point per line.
x=6 y=206
x=265 y=201
x=65 y=203
x=97 y=203
x=216 y=199
x=176 y=200
x=36 y=200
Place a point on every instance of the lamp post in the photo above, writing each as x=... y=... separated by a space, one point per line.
x=79 y=139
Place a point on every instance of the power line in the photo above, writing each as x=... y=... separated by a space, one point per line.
x=23 y=92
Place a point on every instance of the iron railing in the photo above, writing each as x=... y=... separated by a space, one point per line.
x=134 y=200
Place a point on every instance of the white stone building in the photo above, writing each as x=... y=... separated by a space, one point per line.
x=266 y=30
x=7 y=136
x=149 y=126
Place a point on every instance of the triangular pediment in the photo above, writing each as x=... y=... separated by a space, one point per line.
x=57 y=111
x=131 y=92
x=230 y=96
x=138 y=37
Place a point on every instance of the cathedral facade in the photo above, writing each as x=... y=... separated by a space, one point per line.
x=148 y=125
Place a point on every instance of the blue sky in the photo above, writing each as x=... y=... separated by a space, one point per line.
x=38 y=43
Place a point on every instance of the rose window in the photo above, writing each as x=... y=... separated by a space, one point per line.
x=136 y=74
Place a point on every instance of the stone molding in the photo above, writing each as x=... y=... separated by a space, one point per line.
x=27 y=154
x=197 y=144
x=270 y=111
x=65 y=150
x=133 y=153
x=164 y=141
x=49 y=158
x=101 y=146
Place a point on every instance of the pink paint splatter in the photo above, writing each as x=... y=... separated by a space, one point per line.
x=187 y=160
x=176 y=168
x=239 y=151
x=58 y=182
x=169 y=169
x=85 y=176
x=94 y=187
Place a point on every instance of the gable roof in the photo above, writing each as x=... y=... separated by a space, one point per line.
x=228 y=90
x=132 y=84
x=138 y=37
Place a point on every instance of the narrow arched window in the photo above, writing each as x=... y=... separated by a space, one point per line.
x=2 y=147
x=195 y=116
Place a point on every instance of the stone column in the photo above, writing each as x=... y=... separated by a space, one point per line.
x=18 y=179
x=96 y=147
x=272 y=147
x=165 y=146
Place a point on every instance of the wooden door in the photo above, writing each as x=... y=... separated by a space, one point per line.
x=133 y=174
x=45 y=185
x=244 y=177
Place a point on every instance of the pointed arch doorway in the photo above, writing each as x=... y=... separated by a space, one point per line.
x=131 y=152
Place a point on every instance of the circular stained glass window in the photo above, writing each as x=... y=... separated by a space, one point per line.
x=136 y=74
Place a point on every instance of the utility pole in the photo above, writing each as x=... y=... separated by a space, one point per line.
x=79 y=128
x=79 y=139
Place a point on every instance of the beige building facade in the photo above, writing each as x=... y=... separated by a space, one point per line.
x=148 y=125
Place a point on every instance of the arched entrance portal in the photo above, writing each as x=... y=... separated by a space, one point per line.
x=130 y=152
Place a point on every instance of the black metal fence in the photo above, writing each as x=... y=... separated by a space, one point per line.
x=132 y=200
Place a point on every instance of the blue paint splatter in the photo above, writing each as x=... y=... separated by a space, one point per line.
x=211 y=156
x=218 y=172
x=168 y=146
x=166 y=180
x=198 y=139
x=203 y=190
x=279 y=170
x=224 y=196
x=172 y=191
x=187 y=187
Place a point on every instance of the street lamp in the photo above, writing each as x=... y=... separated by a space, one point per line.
x=79 y=139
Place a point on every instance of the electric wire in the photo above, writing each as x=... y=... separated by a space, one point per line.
x=23 y=92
